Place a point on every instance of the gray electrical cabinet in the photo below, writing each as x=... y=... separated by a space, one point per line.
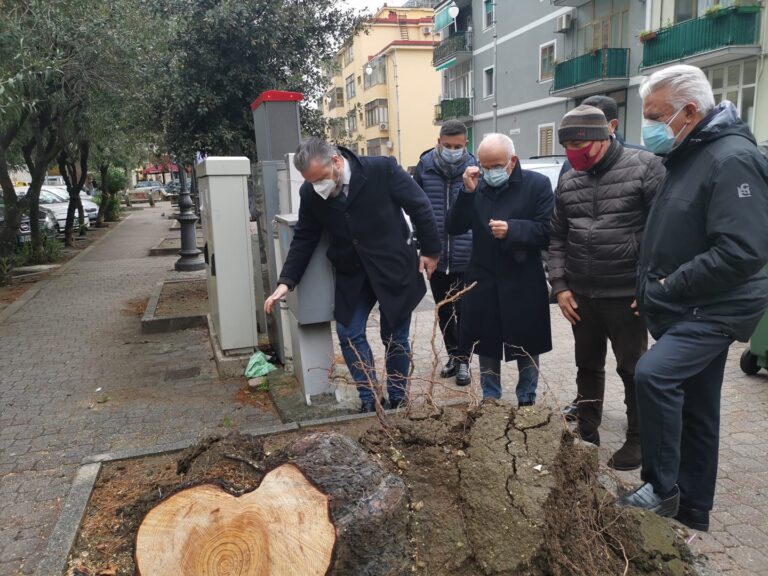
x=311 y=302
x=223 y=190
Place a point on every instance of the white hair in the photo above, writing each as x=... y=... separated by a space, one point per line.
x=498 y=139
x=686 y=84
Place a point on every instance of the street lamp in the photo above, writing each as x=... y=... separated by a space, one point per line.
x=368 y=70
x=453 y=10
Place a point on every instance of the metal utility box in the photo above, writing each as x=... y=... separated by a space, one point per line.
x=312 y=301
x=276 y=123
x=223 y=189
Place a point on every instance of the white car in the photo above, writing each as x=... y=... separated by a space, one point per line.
x=58 y=207
x=89 y=206
x=550 y=166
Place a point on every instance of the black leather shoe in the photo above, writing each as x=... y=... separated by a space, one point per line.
x=645 y=498
x=570 y=412
x=694 y=518
x=369 y=406
x=449 y=369
x=524 y=404
x=399 y=403
x=463 y=377
x=628 y=457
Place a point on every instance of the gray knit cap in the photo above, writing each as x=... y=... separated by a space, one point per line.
x=583 y=123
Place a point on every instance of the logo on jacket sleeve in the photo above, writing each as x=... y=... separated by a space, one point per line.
x=744 y=191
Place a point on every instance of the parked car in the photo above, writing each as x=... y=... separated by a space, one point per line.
x=149 y=186
x=173 y=188
x=89 y=206
x=550 y=166
x=47 y=224
x=55 y=205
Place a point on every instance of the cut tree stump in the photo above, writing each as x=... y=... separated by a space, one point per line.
x=282 y=528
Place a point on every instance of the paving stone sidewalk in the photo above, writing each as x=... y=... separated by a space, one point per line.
x=77 y=378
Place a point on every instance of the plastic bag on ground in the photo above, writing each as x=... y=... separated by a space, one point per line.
x=258 y=365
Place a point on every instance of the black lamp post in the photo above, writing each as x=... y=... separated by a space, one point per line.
x=190 y=258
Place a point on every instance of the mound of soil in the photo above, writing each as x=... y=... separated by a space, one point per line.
x=494 y=491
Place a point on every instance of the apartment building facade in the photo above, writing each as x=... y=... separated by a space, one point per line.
x=383 y=87
x=527 y=62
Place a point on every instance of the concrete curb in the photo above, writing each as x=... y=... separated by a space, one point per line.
x=150 y=324
x=54 y=559
x=32 y=292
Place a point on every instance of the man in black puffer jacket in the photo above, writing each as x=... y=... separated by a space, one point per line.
x=701 y=285
x=600 y=212
x=439 y=173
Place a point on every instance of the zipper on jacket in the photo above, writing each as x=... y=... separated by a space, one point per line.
x=589 y=238
x=445 y=230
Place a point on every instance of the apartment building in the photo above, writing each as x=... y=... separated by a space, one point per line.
x=383 y=86
x=517 y=66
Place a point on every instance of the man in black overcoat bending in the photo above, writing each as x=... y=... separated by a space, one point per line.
x=360 y=202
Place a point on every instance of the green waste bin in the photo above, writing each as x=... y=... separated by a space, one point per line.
x=756 y=356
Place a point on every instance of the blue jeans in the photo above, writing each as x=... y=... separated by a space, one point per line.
x=359 y=358
x=528 y=378
x=678 y=395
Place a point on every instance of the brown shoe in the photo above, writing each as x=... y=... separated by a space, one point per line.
x=628 y=457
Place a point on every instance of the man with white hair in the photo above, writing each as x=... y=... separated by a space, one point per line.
x=506 y=315
x=700 y=285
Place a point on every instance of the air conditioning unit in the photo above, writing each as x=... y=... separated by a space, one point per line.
x=426 y=30
x=563 y=23
x=383 y=126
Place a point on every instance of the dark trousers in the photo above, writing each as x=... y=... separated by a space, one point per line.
x=449 y=315
x=359 y=356
x=678 y=392
x=604 y=319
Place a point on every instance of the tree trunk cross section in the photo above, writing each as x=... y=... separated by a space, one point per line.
x=282 y=525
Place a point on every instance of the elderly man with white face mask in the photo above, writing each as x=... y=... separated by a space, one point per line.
x=359 y=202
x=700 y=285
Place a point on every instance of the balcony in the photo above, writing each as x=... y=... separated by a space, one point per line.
x=451 y=50
x=597 y=71
x=571 y=3
x=456 y=109
x=721 y=36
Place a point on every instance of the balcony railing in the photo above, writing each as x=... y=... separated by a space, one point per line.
x=603 y=64
x=453 y=109
x=449 y=47
x=724 y=28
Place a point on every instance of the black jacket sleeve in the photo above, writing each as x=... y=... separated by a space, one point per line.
x=459 y=218
x=558 y=246
x=306 y=235
x=411 y=198
x=736 y=224
x=533 y=233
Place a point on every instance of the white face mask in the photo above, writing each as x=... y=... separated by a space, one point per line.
x=326 y=187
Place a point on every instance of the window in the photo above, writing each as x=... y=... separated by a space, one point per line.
x=546 y=139
x=347 y=55
x=547 y=61
x=376 y=113
x=605 y=26
x=736 y=82
x=456 y=81
x=488 y=82
x=378 y=73
x=350 y=86
x=335 y=98
x=376 y=146
x=351 y=121
x=489 y=12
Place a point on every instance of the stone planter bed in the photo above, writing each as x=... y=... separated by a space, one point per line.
x=176 y=305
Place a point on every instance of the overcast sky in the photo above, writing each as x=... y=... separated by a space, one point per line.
x=372 y=5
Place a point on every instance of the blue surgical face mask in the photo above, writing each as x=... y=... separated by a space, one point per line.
x=496 y=176
x=451 y=156
x=658 y=136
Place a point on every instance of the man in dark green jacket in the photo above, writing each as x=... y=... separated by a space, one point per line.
x=701 y=285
